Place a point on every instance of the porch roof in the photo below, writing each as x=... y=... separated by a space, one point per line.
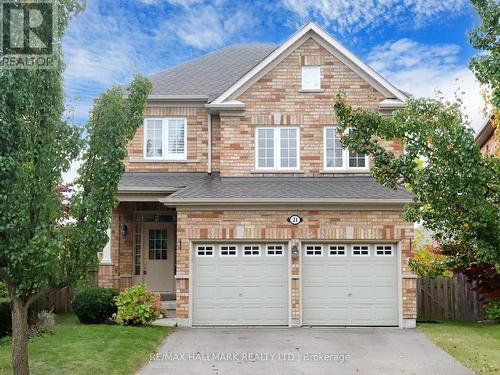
x=192 y=188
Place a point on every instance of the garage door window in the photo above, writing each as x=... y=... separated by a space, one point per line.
x=251 y=250
x=337 y=250
x=360 y=250
x=205 y=251
x=228 y=250
x=314 y=250
x=274 y=250
x=383 y=250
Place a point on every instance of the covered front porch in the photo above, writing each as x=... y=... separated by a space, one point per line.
x=142 y=248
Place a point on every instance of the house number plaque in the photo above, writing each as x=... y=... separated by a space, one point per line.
x=295 y=219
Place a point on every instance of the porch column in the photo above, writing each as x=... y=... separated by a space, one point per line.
x=106 y=252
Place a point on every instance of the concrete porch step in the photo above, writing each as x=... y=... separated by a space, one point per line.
x=167 y=309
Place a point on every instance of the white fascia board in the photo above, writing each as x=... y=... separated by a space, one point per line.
x=227 y=106
x=314 y=28
x=279 y=201
x=391 y=104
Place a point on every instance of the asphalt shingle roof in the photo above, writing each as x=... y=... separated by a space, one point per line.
x=201 y=186
x=211 y=74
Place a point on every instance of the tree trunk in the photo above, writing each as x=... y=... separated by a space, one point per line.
x=20 y=337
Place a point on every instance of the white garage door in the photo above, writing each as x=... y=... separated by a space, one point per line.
x=350 y=285
x=240 y=284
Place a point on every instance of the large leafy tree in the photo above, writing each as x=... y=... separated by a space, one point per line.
x=486 y=38
x=41 y=248
x=456 y=189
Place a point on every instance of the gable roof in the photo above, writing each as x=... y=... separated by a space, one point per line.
x=311 y=29
x=219 y=76
x=210 y=75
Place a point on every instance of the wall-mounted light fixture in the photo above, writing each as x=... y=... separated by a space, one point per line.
x=123 y=230
x=295 y=251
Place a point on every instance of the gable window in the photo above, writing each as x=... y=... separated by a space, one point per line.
x=277 y=148
x=336 y=157
x=165 y=138
x=311 y=77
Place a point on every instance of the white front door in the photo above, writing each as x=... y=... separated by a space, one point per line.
x=240 y=284
x=159 y=256
x=350 y=284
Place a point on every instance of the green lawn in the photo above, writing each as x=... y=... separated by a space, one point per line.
x=476 y=345
x=75 y=348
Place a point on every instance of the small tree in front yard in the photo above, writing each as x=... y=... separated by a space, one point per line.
x=41 y=248
x=457 y=189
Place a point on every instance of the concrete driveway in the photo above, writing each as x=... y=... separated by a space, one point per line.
x=300 y=351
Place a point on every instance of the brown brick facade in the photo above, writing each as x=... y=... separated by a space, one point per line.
x=318 y=225
x=274 y=100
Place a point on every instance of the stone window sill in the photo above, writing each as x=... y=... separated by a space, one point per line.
x=349 y=171
x=142 y=160
x=311 y=90
x=276 y=171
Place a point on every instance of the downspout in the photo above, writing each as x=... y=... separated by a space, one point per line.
x=209 y=161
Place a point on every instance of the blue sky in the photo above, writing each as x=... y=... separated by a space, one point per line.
x=420 y=45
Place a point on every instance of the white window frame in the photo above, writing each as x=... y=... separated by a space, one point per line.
x=337 y=246
x=345 y=156
x=384 y=250
x=309 y=69
x=321 y=249
x=166 y=155
x=360 y=254
x=277 y=149
x=252 y=250
x=204 y=255
x=228 y=255
x=275 y=255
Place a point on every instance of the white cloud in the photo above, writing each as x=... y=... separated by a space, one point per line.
x=351 y=16
x=429 y=71
x=205 y=27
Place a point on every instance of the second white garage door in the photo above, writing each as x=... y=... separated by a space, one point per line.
x=352 y=285
x=240 y=284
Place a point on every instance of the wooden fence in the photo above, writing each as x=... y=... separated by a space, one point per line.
x=60 y=300
x=448 y=298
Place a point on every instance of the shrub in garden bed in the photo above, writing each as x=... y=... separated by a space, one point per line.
x=137 y=306
x=94 y=305
x=492 y=309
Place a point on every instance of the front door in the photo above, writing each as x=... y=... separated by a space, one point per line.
x=158 y=255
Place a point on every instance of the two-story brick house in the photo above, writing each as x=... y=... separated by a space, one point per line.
x=240 y=203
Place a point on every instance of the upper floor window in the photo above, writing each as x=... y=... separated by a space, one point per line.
x=277 y=148
x=311 y=77
x=337 y=157
x=165 y=138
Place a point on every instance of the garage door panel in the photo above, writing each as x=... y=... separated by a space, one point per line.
x=240 y=290
x=349 y=289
